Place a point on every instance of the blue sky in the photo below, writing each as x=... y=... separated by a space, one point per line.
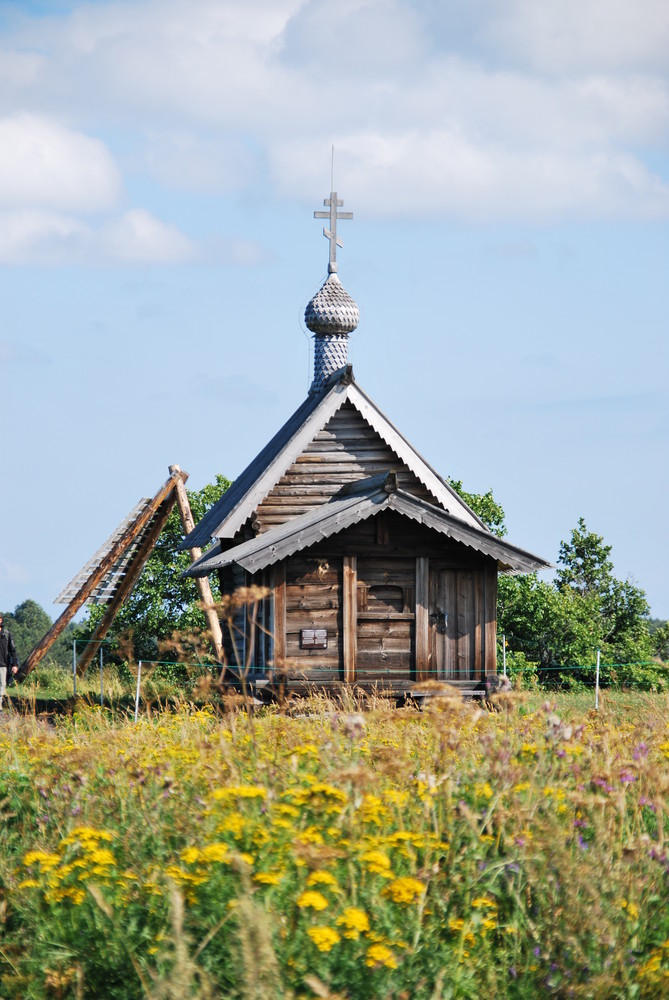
x=507 y=168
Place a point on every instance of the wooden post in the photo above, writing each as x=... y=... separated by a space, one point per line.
x=126 y=585
x=279 y=617
x=490 y=617
x=350 y=617
x=96 y=577
x=422 y=618
x=479 y=623
x=202 y=581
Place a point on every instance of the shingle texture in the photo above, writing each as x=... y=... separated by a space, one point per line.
x=332 y=310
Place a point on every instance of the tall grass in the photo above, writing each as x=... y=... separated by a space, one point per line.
x=449 y=853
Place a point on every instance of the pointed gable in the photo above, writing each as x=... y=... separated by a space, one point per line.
x=347 y=449
x=335 y=437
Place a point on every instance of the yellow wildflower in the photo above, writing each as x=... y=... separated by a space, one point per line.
x=101 y=856
x=311 y=900
x=190 y=855
x=404 y=890
x=324 y=937
x=481 y=901
x=267 y=878
x=311 y=835
x=355 y=921
x=239 y=792
x=377 y=863
x=379 y=954
x=321 y=878
x=234 y=824
x=485 y=790
x=45 y=860
x=215 y=852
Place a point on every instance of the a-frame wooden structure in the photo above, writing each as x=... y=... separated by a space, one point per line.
x=110 y=575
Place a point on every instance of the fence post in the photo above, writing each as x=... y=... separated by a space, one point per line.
x=597 y=683
x=101 y=680
x=139 y=675
x=74 y=668
x=504 y=655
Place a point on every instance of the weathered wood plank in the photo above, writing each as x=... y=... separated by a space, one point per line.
x=491 y=618
x=350 y=608
x=279 y=613
x=422 y=618
x=478 y=616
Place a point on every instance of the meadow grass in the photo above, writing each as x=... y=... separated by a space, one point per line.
x=339 y=853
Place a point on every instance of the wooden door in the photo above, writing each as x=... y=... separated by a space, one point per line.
x=455 y=624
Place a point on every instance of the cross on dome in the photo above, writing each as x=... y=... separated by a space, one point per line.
x=331 y=234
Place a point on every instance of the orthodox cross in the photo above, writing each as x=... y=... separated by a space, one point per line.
x=331 y=234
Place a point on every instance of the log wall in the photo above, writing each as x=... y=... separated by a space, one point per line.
x=399 y=603
x=347 y=449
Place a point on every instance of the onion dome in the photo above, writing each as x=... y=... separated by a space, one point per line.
x=332 y=310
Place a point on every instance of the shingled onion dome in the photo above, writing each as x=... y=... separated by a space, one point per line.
x=331 y=315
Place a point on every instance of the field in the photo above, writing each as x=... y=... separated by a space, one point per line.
x=335 y=853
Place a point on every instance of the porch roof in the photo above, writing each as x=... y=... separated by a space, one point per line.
x=354 y=503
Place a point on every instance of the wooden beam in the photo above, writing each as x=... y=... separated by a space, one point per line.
x=350 y=617
x=279 y=615
x=422 y=618
x=491 y=617
x=479 y=623
x=117 y=550
x=188 y=525
x=126 y=585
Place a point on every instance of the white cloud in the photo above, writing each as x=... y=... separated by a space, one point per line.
x=19 y=69
x=38 y=237
x=138 y=237
x=568 y=36
x=418 y=173
x=45 y=164
x=518 y=109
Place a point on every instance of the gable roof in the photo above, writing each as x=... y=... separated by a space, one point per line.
x=355 y=503
x=237 y=504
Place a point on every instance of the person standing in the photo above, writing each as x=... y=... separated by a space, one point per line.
x=8 y=658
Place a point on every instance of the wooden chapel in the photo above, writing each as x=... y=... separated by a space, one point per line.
x=377 y=573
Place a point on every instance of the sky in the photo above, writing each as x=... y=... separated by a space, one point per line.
x=507 y=164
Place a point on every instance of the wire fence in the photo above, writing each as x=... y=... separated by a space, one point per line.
x=586 y=674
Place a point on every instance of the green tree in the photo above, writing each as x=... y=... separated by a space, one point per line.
x=583 y=563
x=484 y=506
x=563 y=623
x=28 y=624
x=621 y=608
x=660 y=641
x=162 y=604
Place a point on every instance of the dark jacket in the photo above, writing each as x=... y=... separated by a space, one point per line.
x=8 y=657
